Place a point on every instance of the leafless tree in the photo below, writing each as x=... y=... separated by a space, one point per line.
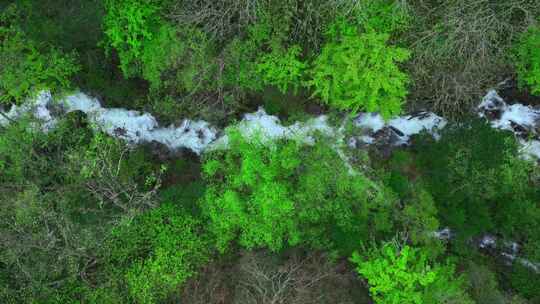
x=460 y=49
x=101 y=166
x=300 y=279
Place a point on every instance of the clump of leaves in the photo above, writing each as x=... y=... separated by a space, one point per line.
x=263 y=58
x=129 y=25
x=359 y=71
x=479 y=182
x=527 y=60
x=285 y=193
x=405 y=275
x=28 y=67
x=282 y=68
x=157 y=251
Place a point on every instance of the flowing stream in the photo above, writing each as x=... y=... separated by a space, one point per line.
x=198 y=136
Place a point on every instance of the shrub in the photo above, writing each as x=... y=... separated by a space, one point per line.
x=156 y=252
x=527 y=60
x=358 y=71
x=526 y=282
x=478 y=191
x=129 y=25
x=282 y=68
x=179 y=61
x=405 y=275
x=263 y=58
x=26 y=66
x=484 y=287
x=284 y=193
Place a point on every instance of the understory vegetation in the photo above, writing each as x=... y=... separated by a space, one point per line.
x=88 y=218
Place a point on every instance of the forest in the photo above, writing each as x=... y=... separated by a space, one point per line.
x=270 y=151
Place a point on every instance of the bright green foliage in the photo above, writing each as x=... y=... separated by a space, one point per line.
x=180 y=61
x=358 y=71
x=284 y=193
x=282 y=69
x=264 y=58
x=396 y=275
x=176 y=61
x=406 y=276
x=157 y=251
x=527 y=60
x=383 y=16
x=157 y=55
x=129 y=25
x=28 y=67
x=240 y=69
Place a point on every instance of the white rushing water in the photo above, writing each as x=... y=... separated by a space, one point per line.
x=523 y=121
x=400 y=128
x=136 y=127
x=131 y=126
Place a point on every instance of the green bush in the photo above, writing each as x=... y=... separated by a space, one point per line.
x=526 y=282
x=359 y=71
x=179 y=61
x=282 y=70
x=484 y=287
x=27 y=66
x=405 y=275
x=263 y=58
x=129 y=25
x=156 y=252
x=479 y=183
x=527 y=60
x=284 y=193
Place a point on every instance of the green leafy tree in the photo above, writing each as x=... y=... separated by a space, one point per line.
x=27 y=66
x=478 y=192
x=61 y=192
x=129 y=25
x=405 y=275
x=178 y=59
x=264 y=57
x=285 y=193
x=359 y=71
x=282 y=68
x=527 y=59
x=156 y=252
x=526 y=282
x=179 y=62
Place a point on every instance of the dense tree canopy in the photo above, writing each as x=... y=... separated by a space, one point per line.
x=283 y=213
